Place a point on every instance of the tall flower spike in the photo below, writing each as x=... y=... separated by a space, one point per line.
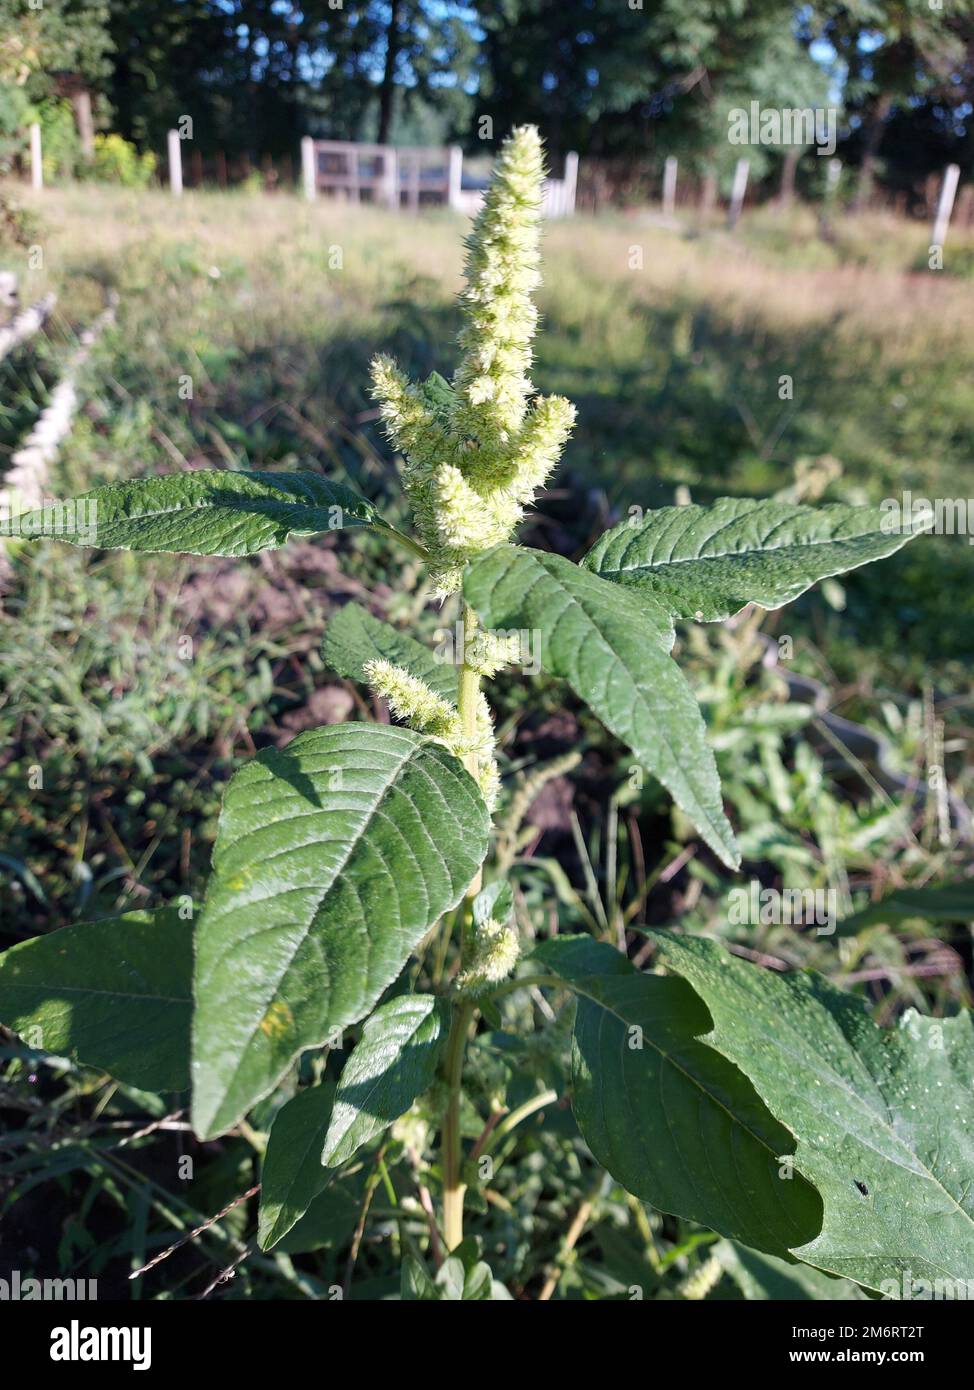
x=476 y=451
x=503 y=255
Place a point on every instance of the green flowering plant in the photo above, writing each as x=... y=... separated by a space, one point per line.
x=727 y=1094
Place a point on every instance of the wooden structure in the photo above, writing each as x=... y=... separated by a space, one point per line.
x=410 y=177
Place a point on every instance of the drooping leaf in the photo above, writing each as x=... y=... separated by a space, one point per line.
x=333 y=1215
x=884 y=1120
x=291 y=1175
x=218 y=512
x=666 y=1115
x=114 y=994
x=394 y=1061
x=943 y=902
x=334 y=857
x=708 y=562
x=354 y=636
x=613 y=649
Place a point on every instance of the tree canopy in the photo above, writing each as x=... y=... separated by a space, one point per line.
x=634 y=79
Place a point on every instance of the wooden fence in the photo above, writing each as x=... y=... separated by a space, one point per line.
x=410 y=177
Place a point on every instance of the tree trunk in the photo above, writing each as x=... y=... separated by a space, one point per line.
x=81 y=101
x=387 y=91
x=789 y=168
x=708 y=195
x=874 y=137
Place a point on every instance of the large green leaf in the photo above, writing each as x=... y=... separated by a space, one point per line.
x=202 y=513
x=884 y=1120
x=292 y=1176
x=613 y=649
x=354 y=636
x=708 y=562
x=395 y=1061
x=671 y=1119
x=114 y=994
x=334 y=857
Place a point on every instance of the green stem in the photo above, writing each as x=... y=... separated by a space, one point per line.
x=517 y=1116
x=453 y=1186
x=405 y=541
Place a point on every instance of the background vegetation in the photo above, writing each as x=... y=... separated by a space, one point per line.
x=628 y=82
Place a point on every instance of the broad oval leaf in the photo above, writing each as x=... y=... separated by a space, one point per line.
x=114 y=994
x=218 y=512
x=291 y=1175
x=354 y=636
x=613 y=649
x=670 y=1118
x=394 y=1061
x=708 y=562
x=334 y=857
x=884 y=1120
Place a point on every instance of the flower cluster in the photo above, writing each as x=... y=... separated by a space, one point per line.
x=477 y=450
x=412 y=701
x=495 y=954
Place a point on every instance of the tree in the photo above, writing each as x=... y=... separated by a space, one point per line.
x=895 y=57
x=622 y=81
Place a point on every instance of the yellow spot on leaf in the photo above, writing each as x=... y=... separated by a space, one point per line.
x=278 y=1019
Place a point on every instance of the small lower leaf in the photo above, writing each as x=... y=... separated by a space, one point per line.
x=292 y=1176
x=394 y=1062
x=354 y=636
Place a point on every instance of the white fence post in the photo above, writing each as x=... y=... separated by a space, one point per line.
x=945 y=204
x=737 y=192
x=36 y=163
x=390 y=177
x=454 y=176
x=175 y=164
x=669 y=186
x=571 y=182
x=309 y=174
